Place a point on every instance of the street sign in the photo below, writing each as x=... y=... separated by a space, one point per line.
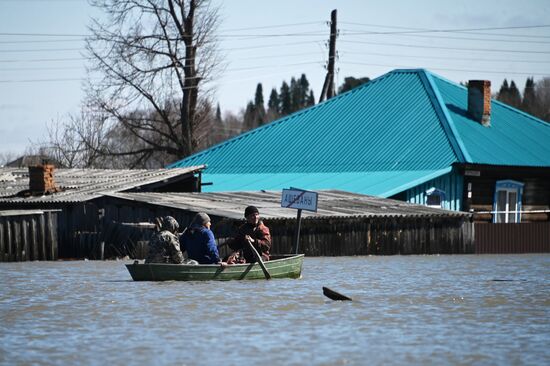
x=299 y=199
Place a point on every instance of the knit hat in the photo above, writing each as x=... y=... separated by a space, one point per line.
x=201 y=219
x=169 y=223
x=250 y=210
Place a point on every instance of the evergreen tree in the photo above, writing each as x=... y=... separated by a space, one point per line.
x=514 y=95
x=304 y=90
x=529 y=102
x=285 y=106
x=310 y=99
x=219 y=119
x=273 y=103
x=259 y=117
x=259 y=97
x=249 y=118
x=502 y=94
x=350 y=82
x=294 y=95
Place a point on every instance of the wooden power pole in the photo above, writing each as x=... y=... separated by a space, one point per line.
x=328 y=86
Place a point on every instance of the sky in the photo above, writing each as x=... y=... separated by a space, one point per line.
x=42 y=63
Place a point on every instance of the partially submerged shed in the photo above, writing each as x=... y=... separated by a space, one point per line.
x=76 y=195
x=345 y=223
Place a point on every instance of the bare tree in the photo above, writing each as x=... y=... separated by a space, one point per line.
x=150 y=57
x=542 y=92
x=6 y=157
x=76 y=141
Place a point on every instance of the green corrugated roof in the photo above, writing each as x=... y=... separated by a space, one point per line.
x=407 y=123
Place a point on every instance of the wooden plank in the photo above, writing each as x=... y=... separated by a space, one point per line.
x=8 y=256
x=42 y=238
x=2 y=239
x=17 y=239
x=25 y=255
x=51 y=245
x=33 y=238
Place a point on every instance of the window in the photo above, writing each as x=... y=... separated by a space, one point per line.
x=435 y=197
x=507 y=202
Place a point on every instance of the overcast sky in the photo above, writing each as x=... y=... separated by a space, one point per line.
x=271 y=41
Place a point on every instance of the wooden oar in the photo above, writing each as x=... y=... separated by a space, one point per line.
x=333 y=295
x=259 y=259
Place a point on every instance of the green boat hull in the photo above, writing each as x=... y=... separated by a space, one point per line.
x=283 y=266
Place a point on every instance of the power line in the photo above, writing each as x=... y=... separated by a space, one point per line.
x=449 y=37
x=446 y=48
x=447 y=58
x=43 y=50
x=448 y=30
x=449 y=69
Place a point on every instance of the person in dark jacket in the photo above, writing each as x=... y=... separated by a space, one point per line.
x=198 y=240
x=164 y=246
x=253 y=231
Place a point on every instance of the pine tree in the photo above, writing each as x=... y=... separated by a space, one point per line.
x=351 y=82
x=529 y=102
x=284 y=100
x=249 y=118
x=273 y=103
x=259 y=97
x=304 y=90
x=310 y=99
x=260 y=117
x=219 y=119
x=514 y=95
x=503 y=93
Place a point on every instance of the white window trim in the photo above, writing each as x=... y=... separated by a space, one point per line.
x=435 y=192
x=508 y=186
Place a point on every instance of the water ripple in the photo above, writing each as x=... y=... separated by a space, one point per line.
x=406 y=310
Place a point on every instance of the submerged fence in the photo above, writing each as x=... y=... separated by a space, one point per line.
x=28 y=235
x=529 y=237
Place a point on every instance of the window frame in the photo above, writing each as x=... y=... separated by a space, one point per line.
x=508 y=186
x=438 y=193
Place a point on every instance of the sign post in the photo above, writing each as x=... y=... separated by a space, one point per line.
x=301 y=200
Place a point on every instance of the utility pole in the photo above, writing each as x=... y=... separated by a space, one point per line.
x=328 y=85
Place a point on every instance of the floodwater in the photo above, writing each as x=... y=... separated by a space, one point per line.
x=407 y=310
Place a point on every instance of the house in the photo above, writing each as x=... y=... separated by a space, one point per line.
x=76 y=202
x=409 y=135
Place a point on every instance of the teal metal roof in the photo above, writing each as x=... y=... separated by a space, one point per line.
x=383 y=184
x=514 y=138
x=402 y=127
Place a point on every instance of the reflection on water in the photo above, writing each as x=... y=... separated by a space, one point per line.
x=406 y=310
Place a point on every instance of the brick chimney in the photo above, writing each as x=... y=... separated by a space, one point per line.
x=41 y=179
x=479 y=101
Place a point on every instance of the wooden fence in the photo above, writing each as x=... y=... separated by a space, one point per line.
x=27 y=235
x=530 y=237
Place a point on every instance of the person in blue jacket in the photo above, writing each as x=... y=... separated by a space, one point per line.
x=198 y=240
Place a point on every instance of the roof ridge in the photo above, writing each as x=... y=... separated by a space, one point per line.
x=444 y=117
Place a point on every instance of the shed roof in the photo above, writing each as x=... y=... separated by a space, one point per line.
x=409 y=121
x=331 y=203
x=79 y=185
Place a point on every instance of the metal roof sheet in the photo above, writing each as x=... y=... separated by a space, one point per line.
x=407 y=122
x=389 y=124
x=84 y=184
x=383 y=184
x=331 y=204
x=514 y=138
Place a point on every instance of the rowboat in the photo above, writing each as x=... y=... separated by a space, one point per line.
x=280 y=266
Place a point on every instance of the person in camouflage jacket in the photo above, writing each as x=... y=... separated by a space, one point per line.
x=164 y=246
